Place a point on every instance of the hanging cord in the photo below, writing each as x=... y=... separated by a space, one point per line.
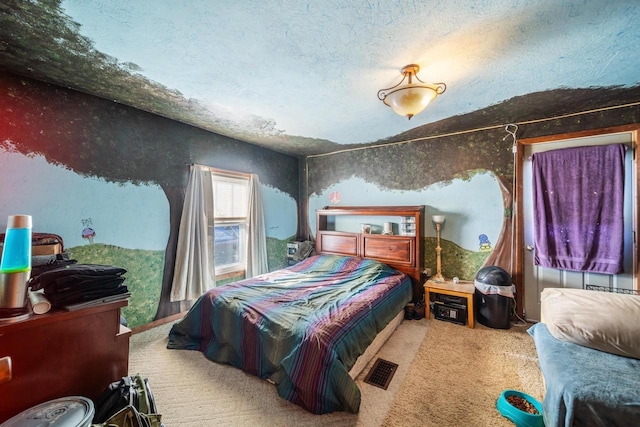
x=521 y=321
x=512 y=130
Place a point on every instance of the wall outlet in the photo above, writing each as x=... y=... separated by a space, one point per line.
x=427 y=272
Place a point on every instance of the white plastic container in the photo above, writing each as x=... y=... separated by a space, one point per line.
x=73 y=411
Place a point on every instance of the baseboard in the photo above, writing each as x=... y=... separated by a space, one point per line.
x=158 y=322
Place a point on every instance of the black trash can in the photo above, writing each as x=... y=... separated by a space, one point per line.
x=493 y=298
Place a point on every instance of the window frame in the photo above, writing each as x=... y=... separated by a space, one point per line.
x=239 y=268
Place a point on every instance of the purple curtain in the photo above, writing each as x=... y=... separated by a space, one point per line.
x=578 y=203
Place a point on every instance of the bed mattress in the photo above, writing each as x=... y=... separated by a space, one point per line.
x=302 y=327
x=586 y=387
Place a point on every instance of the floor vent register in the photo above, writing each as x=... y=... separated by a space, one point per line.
x=381 y=373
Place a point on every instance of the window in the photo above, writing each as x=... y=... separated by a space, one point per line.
x=230 y=200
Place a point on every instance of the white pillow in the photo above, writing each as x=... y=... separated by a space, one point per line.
x=604 y=321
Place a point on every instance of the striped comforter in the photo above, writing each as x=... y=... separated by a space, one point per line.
x=302 y=327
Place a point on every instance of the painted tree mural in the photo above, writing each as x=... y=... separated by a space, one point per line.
x=462 y=146
x=38 y=40
x=98 y=138
x=423 y=163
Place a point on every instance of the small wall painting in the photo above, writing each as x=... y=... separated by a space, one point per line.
x=335 y=197
x=88 y=233
x=485 y=244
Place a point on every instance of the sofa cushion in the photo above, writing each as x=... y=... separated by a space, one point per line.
x=604 y=321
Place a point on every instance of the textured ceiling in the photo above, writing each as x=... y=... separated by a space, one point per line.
x=302 y=77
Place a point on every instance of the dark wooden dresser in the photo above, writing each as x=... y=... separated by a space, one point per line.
x=60 y=354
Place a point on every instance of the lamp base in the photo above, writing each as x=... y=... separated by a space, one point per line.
x=438 y=278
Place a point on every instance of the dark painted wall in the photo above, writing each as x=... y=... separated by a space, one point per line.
x=98 y=138
x=461 y=146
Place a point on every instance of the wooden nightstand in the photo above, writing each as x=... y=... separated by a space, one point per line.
x=463 y=289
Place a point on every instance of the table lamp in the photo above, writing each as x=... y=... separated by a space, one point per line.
x=15 y=267
x=438 y=221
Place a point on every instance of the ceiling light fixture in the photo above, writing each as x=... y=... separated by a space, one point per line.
x=412 y=98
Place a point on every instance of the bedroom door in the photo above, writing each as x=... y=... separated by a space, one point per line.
x=535 y=278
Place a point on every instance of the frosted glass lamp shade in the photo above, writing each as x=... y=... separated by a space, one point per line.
x=410 y=100
x=438 y=219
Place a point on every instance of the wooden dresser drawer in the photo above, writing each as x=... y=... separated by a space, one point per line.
x=390 y=249
x=338 y=243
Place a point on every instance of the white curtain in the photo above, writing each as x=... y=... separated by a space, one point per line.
x=194 y=271
x=257 y=240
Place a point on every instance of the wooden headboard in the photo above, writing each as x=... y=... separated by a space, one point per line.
x=402 y=252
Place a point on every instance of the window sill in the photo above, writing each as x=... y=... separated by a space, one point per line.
x=230 y=275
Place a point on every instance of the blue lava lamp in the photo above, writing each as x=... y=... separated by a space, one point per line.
x=15 y=266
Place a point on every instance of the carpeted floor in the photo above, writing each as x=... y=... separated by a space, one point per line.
x=448 y=375
x=192 y=391
x=459 y=373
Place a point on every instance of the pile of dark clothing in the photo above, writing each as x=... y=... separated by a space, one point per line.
x=67 y=283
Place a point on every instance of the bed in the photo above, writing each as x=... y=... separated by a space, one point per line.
x=308 y=328
x=588 y=346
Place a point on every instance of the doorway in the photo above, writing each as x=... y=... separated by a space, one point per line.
x=533 y=278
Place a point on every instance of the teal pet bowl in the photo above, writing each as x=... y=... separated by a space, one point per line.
x=520 y=418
